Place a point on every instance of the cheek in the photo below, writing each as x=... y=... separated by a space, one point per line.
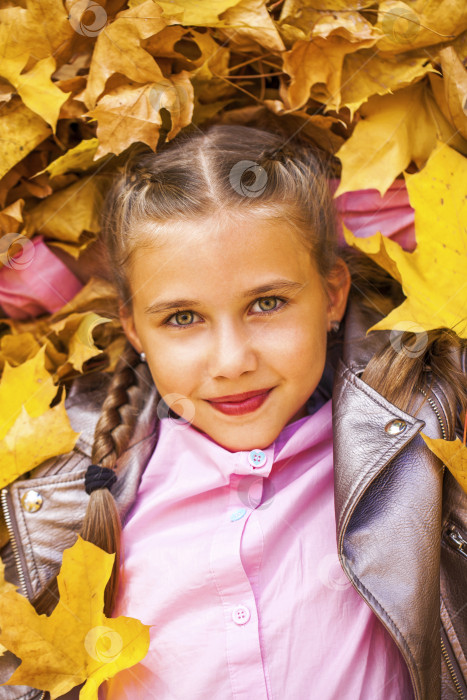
x=173 y=369
x=299 y=344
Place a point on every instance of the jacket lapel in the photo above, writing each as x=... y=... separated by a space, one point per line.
x=388 y=508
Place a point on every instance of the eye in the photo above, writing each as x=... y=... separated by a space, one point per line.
x=184 y=317
x=267 y=301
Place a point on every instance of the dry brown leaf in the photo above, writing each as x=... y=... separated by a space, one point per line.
x=415 y=23
x=455 y=87
x=317 y=61
x=251 y=22
x=52 y=216
x=441 y=115
x=76 y=332
x=118 y=50
x=11 y=218
x=20 y=132
x=306 y=21
x=132 y=112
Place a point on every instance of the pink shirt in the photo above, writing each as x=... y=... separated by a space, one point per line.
x=234 y=562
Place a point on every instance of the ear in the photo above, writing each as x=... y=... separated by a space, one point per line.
x=338 y=287
x=128 y=324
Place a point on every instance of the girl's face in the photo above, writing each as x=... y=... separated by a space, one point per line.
x=224 y=307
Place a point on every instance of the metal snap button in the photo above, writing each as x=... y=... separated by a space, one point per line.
x=257 y=458
x=396 y=426
x=31 y=501
x=241 y=615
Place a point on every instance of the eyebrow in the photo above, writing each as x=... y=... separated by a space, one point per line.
x=278 y=285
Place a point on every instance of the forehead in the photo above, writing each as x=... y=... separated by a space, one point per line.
x=218 y=254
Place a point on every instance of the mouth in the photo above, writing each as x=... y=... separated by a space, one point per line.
x=238 y=404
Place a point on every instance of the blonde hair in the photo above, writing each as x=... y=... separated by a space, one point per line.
x=253 y=172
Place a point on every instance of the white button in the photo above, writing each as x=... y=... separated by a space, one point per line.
x=240 y=615
x=257 y=458
x=237 y=514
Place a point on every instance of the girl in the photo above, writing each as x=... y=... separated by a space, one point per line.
x=285 y=527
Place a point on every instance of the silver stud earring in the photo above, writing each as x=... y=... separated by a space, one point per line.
x=142 y=356
x=335 y=325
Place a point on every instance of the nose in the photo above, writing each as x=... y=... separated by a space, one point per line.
x=231 y=352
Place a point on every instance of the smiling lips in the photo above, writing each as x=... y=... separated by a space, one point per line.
x=238 y=404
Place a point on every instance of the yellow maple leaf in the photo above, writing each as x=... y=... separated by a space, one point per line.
x=16 y=349
x=30 y=441
x=78 y=158
x=367 y=73
x=195 y=13
x=432 y=276
x=28 y=385
x=393 y=131
x=76 y=642
x=30 y=431
x=39 y=93
x=453 y=453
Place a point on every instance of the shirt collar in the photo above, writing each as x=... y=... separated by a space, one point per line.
x=293 y=439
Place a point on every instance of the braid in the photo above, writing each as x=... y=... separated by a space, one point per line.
x=117 y=420
x=101 y=524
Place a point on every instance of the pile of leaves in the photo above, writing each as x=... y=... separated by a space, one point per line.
x=380 y=86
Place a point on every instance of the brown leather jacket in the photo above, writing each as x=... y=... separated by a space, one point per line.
x=401 y=518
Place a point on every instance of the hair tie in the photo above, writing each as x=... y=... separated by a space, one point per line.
x=99 y=478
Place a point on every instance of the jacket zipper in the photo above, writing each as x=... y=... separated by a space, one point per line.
x=14 y=547
x=456 y=540
x=436 y=412
x=451 y=670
